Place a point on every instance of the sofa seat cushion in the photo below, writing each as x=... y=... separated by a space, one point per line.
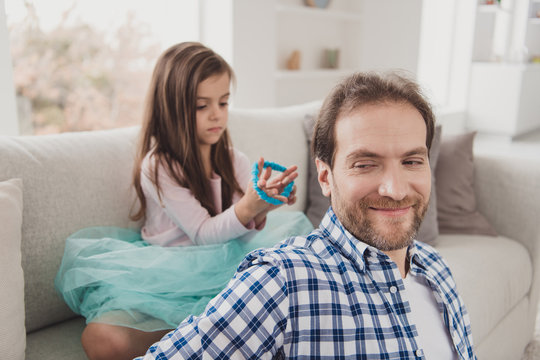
x=492 y=275
x=71 y=181
x=60 y=342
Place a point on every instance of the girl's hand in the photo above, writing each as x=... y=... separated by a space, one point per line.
x=290 y=200
x=251 y=206
x=275 y=186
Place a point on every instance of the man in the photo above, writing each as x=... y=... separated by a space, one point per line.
x=359 y=286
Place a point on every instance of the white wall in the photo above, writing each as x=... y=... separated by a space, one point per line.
x=390 y=34
x=8 y=116
x=243 y=32
x=256 y=51
x=446 y=50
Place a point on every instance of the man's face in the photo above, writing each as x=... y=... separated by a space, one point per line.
x=381 y=179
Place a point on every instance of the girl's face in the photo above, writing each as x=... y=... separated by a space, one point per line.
x=212 y=109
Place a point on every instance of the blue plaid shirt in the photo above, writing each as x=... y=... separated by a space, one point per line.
x=324 y=296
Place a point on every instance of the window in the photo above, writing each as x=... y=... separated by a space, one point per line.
x=85 y=64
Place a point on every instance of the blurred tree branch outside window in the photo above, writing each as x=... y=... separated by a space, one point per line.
x=76 y=77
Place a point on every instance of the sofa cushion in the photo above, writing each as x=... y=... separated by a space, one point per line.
x=316 y=203
x=429 y=230
x=58 y=342
x=71 y=181
x=254 y=132
x=493 y=274
x=12 y=331
x=456 y=200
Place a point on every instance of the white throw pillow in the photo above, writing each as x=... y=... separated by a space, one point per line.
x=12 y=330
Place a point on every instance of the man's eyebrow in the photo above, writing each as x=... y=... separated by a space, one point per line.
x=364 y=153
x=418 y=151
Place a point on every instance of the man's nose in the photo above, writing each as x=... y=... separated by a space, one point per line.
x=393 y=184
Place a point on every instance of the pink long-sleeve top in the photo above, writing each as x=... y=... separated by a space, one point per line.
x=179 y=219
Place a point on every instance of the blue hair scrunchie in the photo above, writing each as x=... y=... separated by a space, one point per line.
x=255 y=172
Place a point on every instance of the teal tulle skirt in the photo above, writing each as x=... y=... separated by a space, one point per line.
x=111 y=275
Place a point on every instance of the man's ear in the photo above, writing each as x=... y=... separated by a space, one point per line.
x=324 y=176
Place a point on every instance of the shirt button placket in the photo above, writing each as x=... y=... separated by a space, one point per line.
x=419 y=353
x=393 y=289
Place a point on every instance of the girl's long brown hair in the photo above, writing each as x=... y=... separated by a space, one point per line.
x=169 y=127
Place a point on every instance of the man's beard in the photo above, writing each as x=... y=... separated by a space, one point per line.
x=354 y=217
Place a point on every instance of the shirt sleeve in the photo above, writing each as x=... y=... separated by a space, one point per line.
x=242 y=169
x=246 y=320
x=187 y=212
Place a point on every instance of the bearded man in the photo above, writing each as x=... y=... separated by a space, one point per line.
x=359 y=286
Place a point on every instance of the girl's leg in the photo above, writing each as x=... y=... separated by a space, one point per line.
x=103 y=341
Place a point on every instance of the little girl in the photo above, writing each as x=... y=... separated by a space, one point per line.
x=193 y=189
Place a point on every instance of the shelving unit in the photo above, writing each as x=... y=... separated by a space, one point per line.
x=316 y=12
x=504 y=85
x=532 y=40
x=310 y=31
x=311 y=74
x=259 y=36
x=503 y=98
x=264 y=35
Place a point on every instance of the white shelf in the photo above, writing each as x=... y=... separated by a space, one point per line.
x=488 y=8
x=316 y=12
x=503 y=98
x=525 y=66
x=312 y=74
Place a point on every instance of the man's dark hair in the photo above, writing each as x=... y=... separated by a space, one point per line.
x=360 y=89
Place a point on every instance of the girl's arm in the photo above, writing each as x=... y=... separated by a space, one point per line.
x=187 y=213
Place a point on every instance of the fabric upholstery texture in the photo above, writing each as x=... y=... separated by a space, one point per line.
x=429 y=230
x=254 y=132
x=12 y=331
x=71 y=181
x=59 y=342
x=502 y=276
x=317 y=203
x=456 y=201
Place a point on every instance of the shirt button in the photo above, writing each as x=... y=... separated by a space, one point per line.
x=419 y=352
x=393 y=289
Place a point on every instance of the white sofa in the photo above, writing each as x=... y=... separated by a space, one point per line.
x=76 y=180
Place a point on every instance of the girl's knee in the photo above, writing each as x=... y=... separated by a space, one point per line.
x=104 y=342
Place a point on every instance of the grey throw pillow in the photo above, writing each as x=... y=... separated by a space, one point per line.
x=456 y=201
x=317 y=203
x=429 y=230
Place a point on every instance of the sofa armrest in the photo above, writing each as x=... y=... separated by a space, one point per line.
x=507 y=194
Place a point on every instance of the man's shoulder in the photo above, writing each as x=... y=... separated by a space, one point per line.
x=308 y=248
x=433 y=261
x=427 y=251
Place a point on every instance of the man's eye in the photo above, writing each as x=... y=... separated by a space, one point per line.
x=413 y=162
x=362 y=166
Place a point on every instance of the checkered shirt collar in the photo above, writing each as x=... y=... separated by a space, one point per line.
x=355 y=249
